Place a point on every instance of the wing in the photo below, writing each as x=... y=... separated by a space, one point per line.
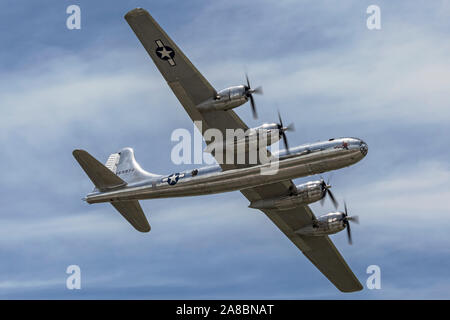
x=319 y=250
x=186 y=82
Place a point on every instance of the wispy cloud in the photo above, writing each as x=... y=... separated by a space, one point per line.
x=325 y=71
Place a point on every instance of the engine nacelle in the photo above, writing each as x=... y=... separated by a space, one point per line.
x=303 y=194
x=264 y=135
x=225 y=99
x=324 y=225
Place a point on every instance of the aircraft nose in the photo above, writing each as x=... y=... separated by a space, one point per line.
x=364 y=148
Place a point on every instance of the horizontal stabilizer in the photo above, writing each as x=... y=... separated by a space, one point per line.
x=132 y=211
x=102 y=177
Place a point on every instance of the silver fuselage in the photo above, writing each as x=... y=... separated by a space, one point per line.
x=301 y=161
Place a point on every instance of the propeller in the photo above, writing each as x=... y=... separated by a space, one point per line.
x=347 y=220
x=249 y=94
x=326 y=191
x=282 y=129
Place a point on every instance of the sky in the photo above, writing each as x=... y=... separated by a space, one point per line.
x=96 y=89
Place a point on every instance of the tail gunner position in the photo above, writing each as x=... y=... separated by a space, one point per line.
x=122 y=181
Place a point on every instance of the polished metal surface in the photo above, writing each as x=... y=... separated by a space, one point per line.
x=264 y=135
x=324 y=225
x=225 y=99
x=302 y=194
x=322 y=156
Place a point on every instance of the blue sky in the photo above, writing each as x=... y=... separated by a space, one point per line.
x=97 y=89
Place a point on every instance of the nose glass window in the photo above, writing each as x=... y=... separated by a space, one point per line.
x=363 y=147
x=355 y=144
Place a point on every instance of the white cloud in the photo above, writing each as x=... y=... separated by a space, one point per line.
x=398 y=74
x=28 y=284
x=104 y=92
x=407 y=196
x=374 y=78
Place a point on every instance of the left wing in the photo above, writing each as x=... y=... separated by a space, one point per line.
x=191 y=89
x=186 y=82
x=319 y=250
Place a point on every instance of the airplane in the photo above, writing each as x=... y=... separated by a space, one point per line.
x=122 y=182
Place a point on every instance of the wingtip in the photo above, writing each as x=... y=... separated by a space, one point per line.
x=136 y=12
x=77 y=152
x=144 y=229
x=357 y=288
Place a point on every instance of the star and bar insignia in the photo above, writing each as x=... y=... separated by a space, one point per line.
x=165 y=53
x=173 y=178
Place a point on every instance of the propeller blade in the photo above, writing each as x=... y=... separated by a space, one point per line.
x=347 y=220
x=324 y=190
x=281 y=130
x=354 y=219
x=290 y=127
x=285 y=141
x=249 y=94
x=258 y=90
x=349 y=233
x=248 y=82
x=252 y=103
x=333 y=199
x=279 y=119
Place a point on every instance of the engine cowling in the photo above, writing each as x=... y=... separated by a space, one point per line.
x=264 y=135
x=303 y=194
x=226 y=99
x=324 y=225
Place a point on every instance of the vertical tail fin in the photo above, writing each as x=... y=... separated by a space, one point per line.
x=126 y=166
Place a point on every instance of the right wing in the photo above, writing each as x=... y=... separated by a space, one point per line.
x=131 y=210
x=319 y=250
x=186 y=82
